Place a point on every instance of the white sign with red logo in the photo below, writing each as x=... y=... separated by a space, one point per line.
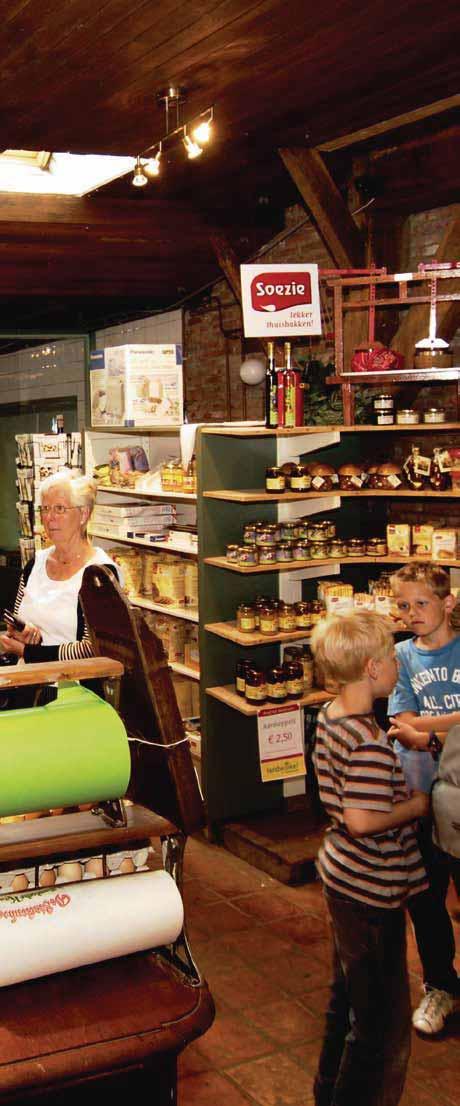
x=280 y=300
x=280 y=734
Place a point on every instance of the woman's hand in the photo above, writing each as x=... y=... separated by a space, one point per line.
x=408 y=735
x=12 y=645
x=30 y=635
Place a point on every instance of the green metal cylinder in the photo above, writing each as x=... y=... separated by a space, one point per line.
x=74 y=750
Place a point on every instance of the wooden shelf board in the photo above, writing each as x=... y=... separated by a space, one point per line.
x=185 y=670
x=230 y=631
x=404 y=376
x=228 y=695
x=41 y=838
x=133 y=430
x=291 y=566
x=189 y=614
x=147 y=495
x=326 y=428
x=166 y=546
x=260 y=496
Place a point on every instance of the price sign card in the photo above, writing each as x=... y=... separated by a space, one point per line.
x=280 y=733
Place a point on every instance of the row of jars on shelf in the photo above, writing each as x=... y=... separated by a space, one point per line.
x=271 y=543
x=416 y=472
x=272 y=616
x=289 y=680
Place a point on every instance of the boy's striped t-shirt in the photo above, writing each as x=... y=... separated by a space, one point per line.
x=357 y=767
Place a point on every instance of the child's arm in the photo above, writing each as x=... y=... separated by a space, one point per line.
x=426 y=723
x=366 y=823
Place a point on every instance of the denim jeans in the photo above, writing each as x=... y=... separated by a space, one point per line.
x=366 y=1046
x=431 y=920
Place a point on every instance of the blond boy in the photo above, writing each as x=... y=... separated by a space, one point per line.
x=369 y=865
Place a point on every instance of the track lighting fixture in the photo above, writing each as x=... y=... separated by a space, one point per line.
x=139 y=177
x=193 y=135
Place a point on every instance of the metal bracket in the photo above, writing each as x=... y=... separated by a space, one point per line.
x=179 y=953
x=112 y=811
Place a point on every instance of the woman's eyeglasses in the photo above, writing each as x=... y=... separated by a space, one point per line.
x=58 y=509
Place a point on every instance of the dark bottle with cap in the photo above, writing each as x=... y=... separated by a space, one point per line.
x=271 y=397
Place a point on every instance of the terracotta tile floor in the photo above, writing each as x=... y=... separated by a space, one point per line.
x=264 y=949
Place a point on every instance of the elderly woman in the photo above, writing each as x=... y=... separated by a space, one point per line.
x=47 y=599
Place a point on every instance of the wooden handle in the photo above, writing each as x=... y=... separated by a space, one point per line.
x=23 y=675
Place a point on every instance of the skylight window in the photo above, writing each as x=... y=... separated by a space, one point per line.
x=42 y=173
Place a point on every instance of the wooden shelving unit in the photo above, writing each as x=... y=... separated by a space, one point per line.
x=229 y=696
x=165 y=546
x=292 y=566
x=113 y=489
x=190 y=614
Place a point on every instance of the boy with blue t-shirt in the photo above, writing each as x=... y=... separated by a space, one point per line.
x=424 y=705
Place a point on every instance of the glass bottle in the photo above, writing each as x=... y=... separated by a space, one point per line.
x=289 y=388
x=271 y=405
x=415 y=479
x=439 y=480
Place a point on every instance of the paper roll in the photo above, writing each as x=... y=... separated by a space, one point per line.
x=50 y=931
x=74 y=750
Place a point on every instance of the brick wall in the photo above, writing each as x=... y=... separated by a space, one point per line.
x=212 y=337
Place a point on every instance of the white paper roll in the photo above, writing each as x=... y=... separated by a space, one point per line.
x=48 y=931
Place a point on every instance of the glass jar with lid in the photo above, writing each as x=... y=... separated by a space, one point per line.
x=268 y=619
x=294 y=679
x=434 y=415
x=300 y=480
x=248 y=555
x=301 y=549
x=255 y=686
x=267 y=554
x=232 y=553
x=288 y=531
x=407 y=416
x=275 y=480
x=250 y=533
x=284 y=551
x=336 y=547
x=319 y=550
x=308 y=668
x=317 y=611
x=240 y=675
x=287 y=617
x=246 y=618
x=266 y=533
x=276 y=679
x=302 y=615
x=356 y=547
x=376 y=547
x=320 y=530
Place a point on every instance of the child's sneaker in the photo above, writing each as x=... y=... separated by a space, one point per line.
x=435 y=1007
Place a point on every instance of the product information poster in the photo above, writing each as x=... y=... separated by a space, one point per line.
x=280 y=300
x=281 y=751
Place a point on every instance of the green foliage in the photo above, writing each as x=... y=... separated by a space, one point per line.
x=323 y=402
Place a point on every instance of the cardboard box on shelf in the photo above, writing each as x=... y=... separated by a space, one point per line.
x=444 y=545
x=137 y=385
x=422 y=538
x=398 y=538
x=183 y=690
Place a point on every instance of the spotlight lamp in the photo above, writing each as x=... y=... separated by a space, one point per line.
x=139 y=177
x=201 y=132
x=152 y=166
x=192 y=148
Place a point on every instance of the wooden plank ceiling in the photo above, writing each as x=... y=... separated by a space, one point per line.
x=83 y=77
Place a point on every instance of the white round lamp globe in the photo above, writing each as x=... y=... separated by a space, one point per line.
x=252 y=370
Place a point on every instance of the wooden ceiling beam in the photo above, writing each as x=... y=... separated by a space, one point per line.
x=329 y=211
x=98 y=212
x=404 y=120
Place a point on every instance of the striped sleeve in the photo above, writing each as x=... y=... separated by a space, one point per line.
x=20 y=594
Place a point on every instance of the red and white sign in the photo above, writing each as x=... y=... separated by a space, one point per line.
x=279 y=300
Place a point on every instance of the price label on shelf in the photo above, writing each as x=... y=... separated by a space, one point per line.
x=281 y=751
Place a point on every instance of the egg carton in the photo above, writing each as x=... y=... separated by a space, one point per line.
x=72 y=870
x=129 y=861
x=21 y=879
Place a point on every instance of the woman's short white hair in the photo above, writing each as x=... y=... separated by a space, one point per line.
x=80 y=490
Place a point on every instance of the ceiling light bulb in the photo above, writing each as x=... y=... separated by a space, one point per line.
x=139 y=177
x=152 y=166
x=202 y=132
x=192 y=148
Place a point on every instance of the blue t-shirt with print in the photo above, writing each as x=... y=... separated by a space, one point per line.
x=428 y=683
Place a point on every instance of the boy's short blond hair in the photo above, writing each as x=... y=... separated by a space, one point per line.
x=343 y=643
x=433 y=576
